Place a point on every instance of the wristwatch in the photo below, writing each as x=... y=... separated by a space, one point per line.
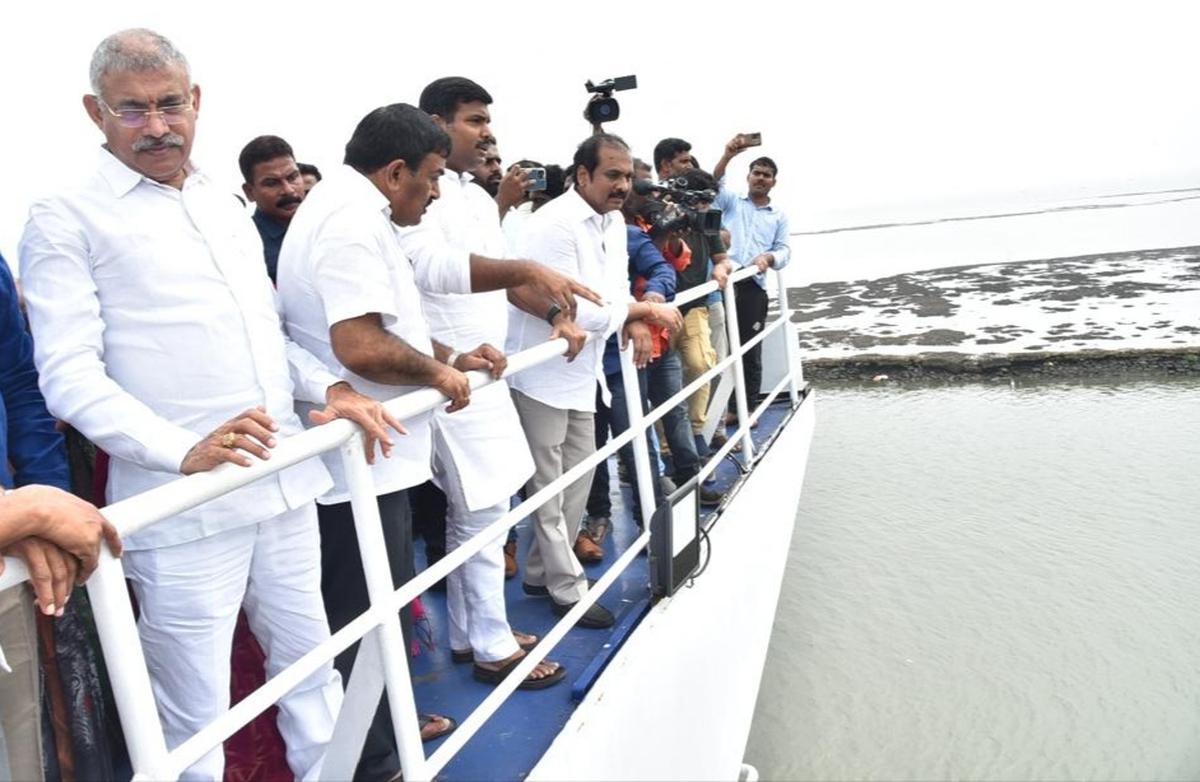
x=553 y=313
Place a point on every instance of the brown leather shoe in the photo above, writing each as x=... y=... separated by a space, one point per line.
x=510 y=559
x=586 y=550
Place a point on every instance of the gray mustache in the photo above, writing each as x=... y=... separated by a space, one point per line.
x=149 y=142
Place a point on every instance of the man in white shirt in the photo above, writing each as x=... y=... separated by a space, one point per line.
x=581 y=234
x=480 y=456
x=154 y=325
x=351 y=297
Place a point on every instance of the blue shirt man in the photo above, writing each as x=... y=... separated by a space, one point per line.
x=758 y=237
x=28 y=439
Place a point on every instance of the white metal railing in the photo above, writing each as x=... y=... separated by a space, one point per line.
x=382 y=662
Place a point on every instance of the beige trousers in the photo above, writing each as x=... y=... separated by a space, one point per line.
x=559 y=440
x=20 y=691
x=698 y=356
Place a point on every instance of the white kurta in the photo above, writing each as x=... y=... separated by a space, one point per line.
x=154 y=322
x=569 y=236
x=341 y=260
x=485 y=438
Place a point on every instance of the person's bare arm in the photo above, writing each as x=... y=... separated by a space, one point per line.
x=735 y=146
x=665 y=315
x=369 y=350
x=512 y=189
x=542 y=285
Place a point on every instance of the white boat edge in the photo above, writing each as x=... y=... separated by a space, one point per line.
x=678 y=699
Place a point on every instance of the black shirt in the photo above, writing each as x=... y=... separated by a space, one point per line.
x=272 y=238
x=699 y=271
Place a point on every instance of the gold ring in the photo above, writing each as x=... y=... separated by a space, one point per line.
x=228 y=439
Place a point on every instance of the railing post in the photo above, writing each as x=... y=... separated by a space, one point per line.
x=393 y=652
x=739 y=376
x=641 y=453
x=789 y=337
x=126 y=665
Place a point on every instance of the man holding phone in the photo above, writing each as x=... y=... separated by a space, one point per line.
x=758 y=237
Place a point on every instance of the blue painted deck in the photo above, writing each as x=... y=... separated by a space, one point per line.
x=514 y=739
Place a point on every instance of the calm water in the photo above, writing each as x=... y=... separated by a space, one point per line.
x=992 y=583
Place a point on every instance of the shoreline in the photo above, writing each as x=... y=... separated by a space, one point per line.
x=1117 y=315
x=953 y=367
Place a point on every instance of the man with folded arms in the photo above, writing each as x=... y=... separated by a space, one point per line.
x=156 y=336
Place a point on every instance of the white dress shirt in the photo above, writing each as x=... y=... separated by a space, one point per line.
x=569 y=236
x=341 y=260
x=485 y=438
x=154 y=322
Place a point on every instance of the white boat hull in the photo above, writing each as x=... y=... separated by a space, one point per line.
x=678 y=699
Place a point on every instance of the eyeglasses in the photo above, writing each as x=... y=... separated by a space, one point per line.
x=172 y=114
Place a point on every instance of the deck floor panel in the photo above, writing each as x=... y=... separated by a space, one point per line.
x=510 y=744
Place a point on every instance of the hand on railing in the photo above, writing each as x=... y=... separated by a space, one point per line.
x=665 y=315
x=637 y=332
x=453 y=384
x=249 y=432
x=64 y=544
x=720 y=274
x=484 y=357
x=576 y=337
x=763 y=262
x=342 y=401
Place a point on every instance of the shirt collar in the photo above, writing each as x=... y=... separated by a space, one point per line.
x=363 y=188
x=122 y=179
x=583 y=211
x=770 y=207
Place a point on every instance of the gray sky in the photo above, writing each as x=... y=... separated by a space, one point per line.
x=873 y=111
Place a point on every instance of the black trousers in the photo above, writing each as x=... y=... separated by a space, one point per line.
x=428 y=504
x=751 y=317
x=344 y=589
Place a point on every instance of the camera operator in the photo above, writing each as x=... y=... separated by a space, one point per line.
x=697 y=342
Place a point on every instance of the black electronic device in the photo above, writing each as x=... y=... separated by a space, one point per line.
x=675 y=540
x=752 y=139
x=602 y=106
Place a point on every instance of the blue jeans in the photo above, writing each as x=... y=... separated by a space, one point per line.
x=664 y=380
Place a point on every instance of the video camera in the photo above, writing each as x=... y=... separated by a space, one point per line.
x=678 y=210
x=602 y=106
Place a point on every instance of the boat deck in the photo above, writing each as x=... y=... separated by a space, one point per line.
x=514 y=739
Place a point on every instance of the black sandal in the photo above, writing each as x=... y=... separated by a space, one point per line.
x=488 y=676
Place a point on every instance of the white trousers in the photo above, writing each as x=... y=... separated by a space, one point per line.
x=475 y=590
x=189 y=596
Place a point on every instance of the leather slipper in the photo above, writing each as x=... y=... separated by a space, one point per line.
x=426 y=719
x=488 y=676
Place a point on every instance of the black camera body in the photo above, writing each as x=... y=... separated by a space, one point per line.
x=602 y=106
x=677 y=207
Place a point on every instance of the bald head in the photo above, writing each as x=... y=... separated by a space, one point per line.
x=134 y=50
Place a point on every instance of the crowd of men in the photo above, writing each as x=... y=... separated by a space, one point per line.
x=177 y=334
